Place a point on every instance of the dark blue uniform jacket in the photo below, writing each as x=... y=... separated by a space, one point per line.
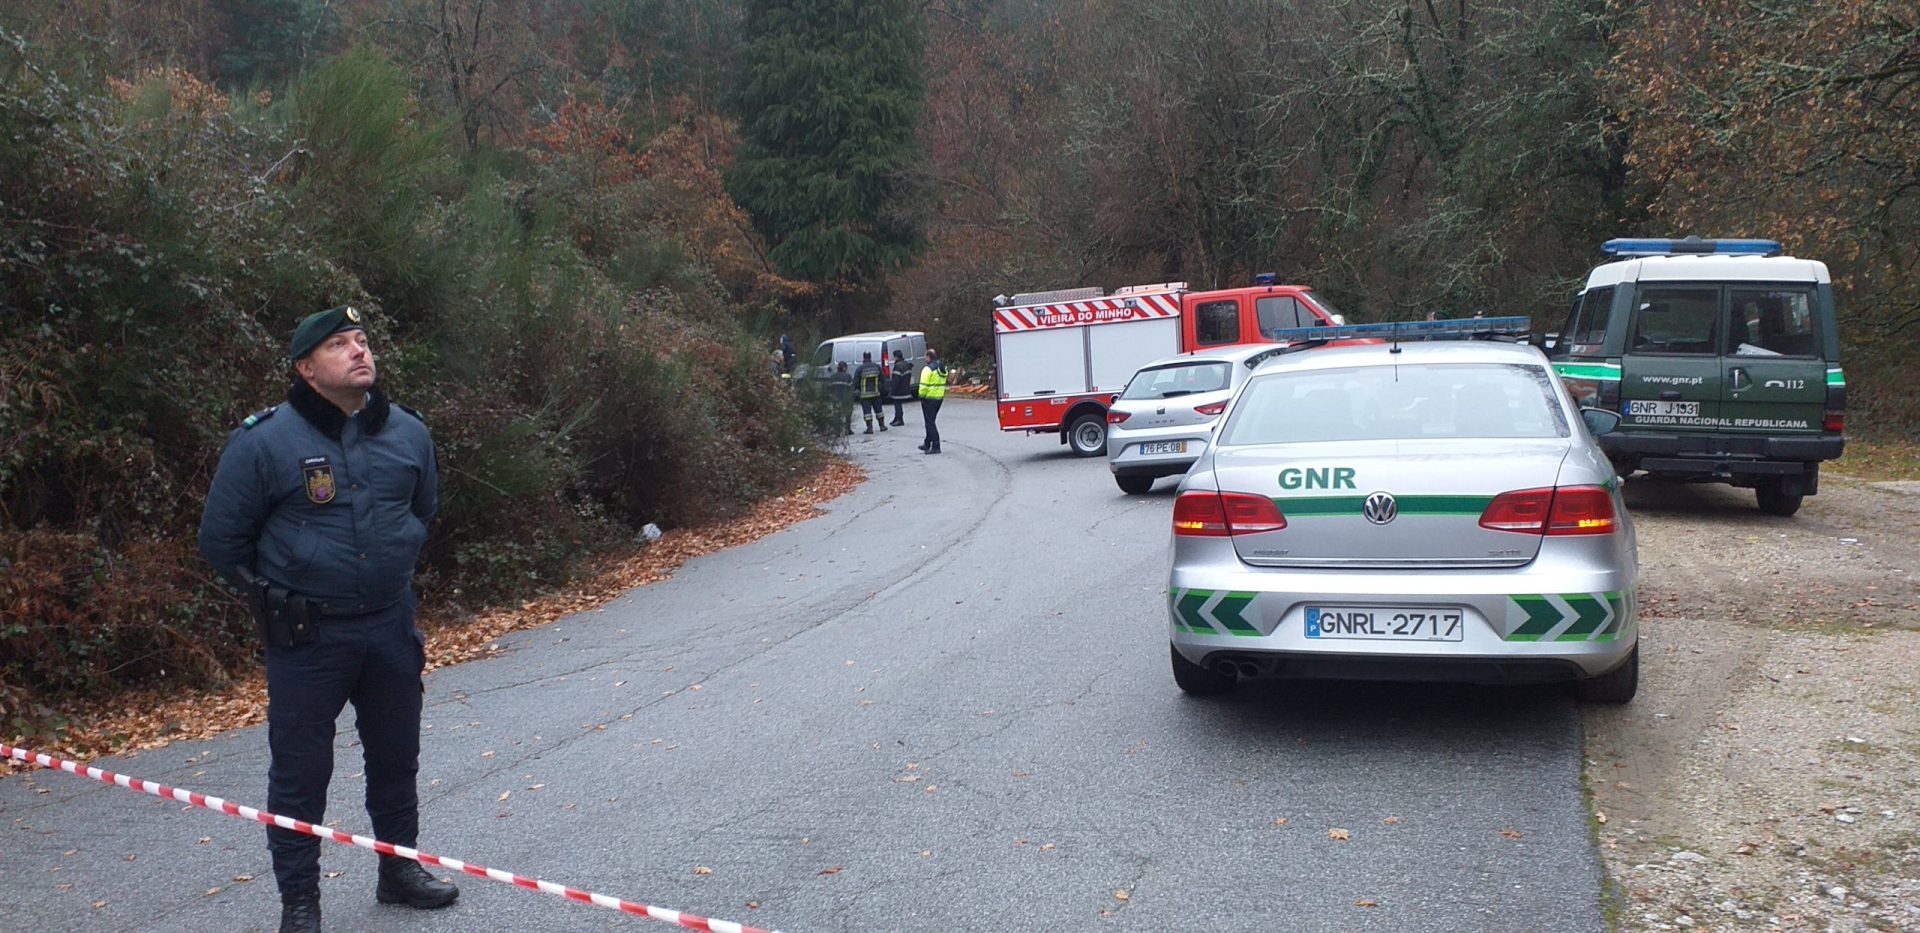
x=331 y=507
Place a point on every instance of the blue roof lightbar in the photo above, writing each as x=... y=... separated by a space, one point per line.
x=1691 y=246
x=1517 y=326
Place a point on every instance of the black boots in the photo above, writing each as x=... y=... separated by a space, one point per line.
x=301 y=916
x=404 y=881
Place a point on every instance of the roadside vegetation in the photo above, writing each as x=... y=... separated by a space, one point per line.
x=578 y=227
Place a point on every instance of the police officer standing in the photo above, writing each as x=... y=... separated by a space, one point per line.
x=318 y=511
x=933 y=390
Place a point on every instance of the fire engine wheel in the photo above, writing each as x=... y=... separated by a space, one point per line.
x=1088 y=435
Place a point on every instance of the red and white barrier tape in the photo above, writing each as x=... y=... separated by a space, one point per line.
x=205 y=802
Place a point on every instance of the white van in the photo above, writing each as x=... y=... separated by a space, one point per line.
x=912 y=345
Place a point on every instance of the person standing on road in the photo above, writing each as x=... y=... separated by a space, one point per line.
x=900 y=386
x=870 y=384
x=933 y=390
x=317 y=512
x=840 y=386
x=786 y=353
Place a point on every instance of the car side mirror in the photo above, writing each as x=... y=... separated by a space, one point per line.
x=1600 y=420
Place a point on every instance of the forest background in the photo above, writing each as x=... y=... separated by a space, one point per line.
x=579 y=225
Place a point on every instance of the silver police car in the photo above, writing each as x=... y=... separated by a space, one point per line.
x=1163 y=420
x=1405 y=511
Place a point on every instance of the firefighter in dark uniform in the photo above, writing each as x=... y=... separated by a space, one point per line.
x=317 y=512
x=869 y=382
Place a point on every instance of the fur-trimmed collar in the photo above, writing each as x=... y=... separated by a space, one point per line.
x=328 y=417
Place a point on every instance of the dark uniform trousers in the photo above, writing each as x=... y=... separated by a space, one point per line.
x=373 y=661
x=929 y=410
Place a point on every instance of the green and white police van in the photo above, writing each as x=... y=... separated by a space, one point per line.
x=1722 y=358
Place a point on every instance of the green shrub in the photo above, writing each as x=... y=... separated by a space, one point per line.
x=158 y=243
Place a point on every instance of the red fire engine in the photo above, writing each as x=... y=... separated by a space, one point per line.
x=1062 y=356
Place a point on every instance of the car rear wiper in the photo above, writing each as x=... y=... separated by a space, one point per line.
x=1176 y=393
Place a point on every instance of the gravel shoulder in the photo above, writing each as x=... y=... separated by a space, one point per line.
x=1768 y=775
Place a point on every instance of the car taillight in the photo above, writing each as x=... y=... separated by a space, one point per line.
x=1115 y=417
x=1834 y=423
x=1215 y=515
x=1581 y=510
x=1523 y=510
x=1213 y=409
x=1568 y=510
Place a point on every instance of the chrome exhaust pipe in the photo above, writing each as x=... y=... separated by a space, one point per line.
x=1249 y=670
x=1226 y=669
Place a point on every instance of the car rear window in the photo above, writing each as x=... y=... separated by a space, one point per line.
x=1771 y=322
x=1679 y=319
x=1179 y=379
x=1403 y=402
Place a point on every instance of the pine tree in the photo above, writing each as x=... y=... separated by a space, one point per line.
x=830 y=101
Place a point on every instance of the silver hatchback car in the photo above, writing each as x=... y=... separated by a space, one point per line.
x=1163 y=420
x=1405 y=511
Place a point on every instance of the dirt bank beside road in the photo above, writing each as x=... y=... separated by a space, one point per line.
x=1768 y=775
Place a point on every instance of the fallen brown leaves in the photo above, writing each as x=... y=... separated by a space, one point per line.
x=147 y=719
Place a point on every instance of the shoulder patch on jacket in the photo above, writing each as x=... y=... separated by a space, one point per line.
x=258 y=416
x=416 y=415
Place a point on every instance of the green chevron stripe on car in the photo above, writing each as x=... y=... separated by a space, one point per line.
x=1601 y=371
x=1836 y=378
x=1228 y=613
x=1186 y=607
x=1567 y=616
x=1311 y=506
x=1542 y=616
x=1589 y=614
x=1618 y=603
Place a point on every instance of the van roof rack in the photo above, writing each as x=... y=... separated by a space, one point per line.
x=1057 y=295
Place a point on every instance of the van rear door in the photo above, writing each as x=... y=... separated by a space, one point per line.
x=1671 y=374
x=1774 y=373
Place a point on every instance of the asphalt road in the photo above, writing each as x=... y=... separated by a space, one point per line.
x=944 y=705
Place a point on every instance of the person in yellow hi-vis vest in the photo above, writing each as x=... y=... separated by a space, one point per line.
x=933 y=389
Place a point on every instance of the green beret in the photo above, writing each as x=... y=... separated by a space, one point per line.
x=320 y=326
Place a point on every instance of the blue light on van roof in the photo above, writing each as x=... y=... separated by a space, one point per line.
x=1690 y=246
x=1516 y=326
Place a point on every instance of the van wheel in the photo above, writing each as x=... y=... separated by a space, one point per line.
x=1088 y=435
x=1615 y=686
x=1197 y=680
x=1775 y=502
x=1134 y=485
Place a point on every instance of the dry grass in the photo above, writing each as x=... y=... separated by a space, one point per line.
x=1880 y=459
